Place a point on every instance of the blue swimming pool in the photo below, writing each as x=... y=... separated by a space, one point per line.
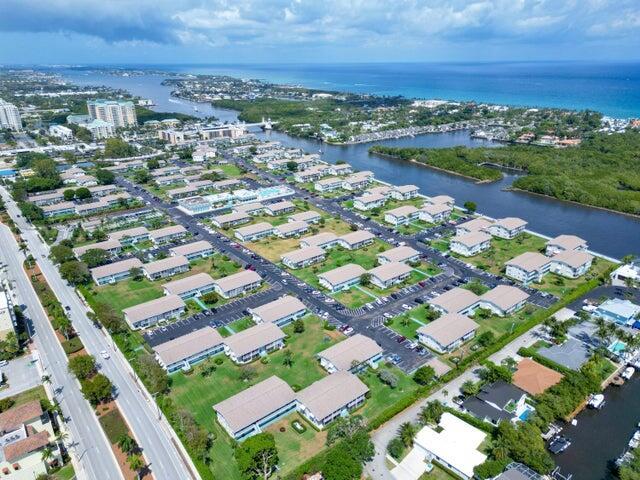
x=617 y=347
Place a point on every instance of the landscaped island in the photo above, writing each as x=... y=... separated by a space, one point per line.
x=604 y=171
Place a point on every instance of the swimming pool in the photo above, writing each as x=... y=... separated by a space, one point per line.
x=617 y=347
x=267 y=193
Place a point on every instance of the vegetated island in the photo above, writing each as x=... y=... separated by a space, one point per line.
x=603 y=172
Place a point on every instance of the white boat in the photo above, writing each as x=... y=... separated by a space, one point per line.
x=633 y=443
x=628 y=373
x=596 y=401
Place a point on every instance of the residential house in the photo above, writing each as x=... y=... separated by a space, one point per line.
x=230 y=219
x=194 y=250
x=565 y=243
x=310 y=216
x=434 y=213
x=328 y=184
x=59 y=209
x=46 y=198
x=130 y=235
x=380 y=190
x=528 y=267
x=114 y=272
x=498 y=401
x=356 y=240
x=571 y=263
x=331 y=397
x=402 y=254
x=252 y=208
x=404 y=192
x=281 y=312
x=256 y=341
x=227 y=184
x=479 y=224
x=183 y=352
x=237 y=283
x=503 y=300
x=311 y=174
x=168 y=234
x=470 y=244
x=534 y=378
x=149 y=313
x=182 y=192
x=166 y=267
x=323 y=240
x=111 y=246
x=340 y=169
x=279 y=208
x=619 y=311
x=253 y=409
x=252 y=233
x=341 y=278
x=401 y=215
x=191 y=286
x=357 y=181
x=448 y=332
x=303 y=257
x=441 y=200
x=169 y=179
x=26 y=431
x=388 y=274
x=508 y=227
x=291 y=229
x=369 y=201
x=351 y=355
x=168 y=170
x=457 y=300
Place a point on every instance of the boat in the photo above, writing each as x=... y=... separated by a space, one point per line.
x=628 y=373
x=596 y=401
x=633 y=443
x=559 y=444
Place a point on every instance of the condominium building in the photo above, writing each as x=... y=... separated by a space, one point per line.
x=118 y=113
x=10 y=116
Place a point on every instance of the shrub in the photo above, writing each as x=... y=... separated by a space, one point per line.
x=395 y=448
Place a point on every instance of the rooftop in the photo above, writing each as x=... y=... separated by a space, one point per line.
x=253 y=338
x=353 y=238
x=115 y=268
x=190 y=248
x=399 y=254
x=178 y=287
x=455 y=300
x=505 y=296
x=280 y=308
x=357 y=348
x=471 y=239
x=331 y=393
x=158 y=266
x=187 y=345
x=390 y=271
x=534 y=378
x=342 y=274
x=152 y=308
x=573 y=258
x=448 y=328
x=529 y=261
x=302 y=254
x=237 y=280
x=567 y=242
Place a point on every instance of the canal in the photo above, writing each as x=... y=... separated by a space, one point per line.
x=602 y=435
x=607 y=232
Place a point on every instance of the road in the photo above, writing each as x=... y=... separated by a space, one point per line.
x=151 y=431
x=90 y=445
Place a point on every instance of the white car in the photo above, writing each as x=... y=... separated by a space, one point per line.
x=104 y=354
x=348 y=331
x=406 y=307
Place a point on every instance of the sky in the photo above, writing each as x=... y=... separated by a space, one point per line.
x=322 y=31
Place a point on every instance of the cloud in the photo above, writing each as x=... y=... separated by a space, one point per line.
x=342 y=23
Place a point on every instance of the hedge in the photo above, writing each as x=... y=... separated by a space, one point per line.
x=470 y=419
x=72 y=345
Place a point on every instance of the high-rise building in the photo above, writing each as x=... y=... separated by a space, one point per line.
x=118 y=113
x=9 y=116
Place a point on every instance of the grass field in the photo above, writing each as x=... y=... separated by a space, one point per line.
x=113 y=425
x=383 y=396
x=198 y=394
x=236 y=326
x=65 y=473
x=35 y=393
x=406 y=325
x=353 y=298
x=560 y=286
x=502 y=250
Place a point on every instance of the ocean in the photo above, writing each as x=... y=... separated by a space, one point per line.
x=610 y=88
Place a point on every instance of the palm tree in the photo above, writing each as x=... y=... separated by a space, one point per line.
x=62 y=436
x=47 y=453
x=126 y=443
x=136 y=463
x=46 y=379
x=406 y=432
x=287 y=361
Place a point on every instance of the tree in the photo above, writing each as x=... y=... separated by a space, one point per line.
x=210 y=298
x=69 y=194
x=406 y=432
x=247 y=374
x=136 y=273
x=31 y=212
x=117 y=148
x=75 y=272
x=136 y=463
x=523 y=443
x=152 y=374
x=492 y=373
x=298 y=326
x=476 y=286
x=470 y=387
x=98 y=389
x=424 y=375
x=340 y=464
x=292 y=166
x=83 y=193
x=470 y=206
x=486 y=338
x=9 y=347
x=82 y=366
x=45 y=168
x=344 y=428
x=109 y=318
x=431 y=413
x=6 y=404
x=105 y=177
x=287 y=361
x=365 y=279
x=257 y=456
x=61 y=254
x=65 y=326
x=47 y=454
x=153 y=164
x=387 y=377
x=141 y=176
x=395 y=447
x=94 y=257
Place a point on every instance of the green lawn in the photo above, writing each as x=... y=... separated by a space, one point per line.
x=65 y=473
x=441 y=245
x=383 y=396
x=499 y=325
x=198 y=394
x=35 y=393
x=229 y=169
x=338 y=257
x=353 y=298
x=237 y=326
x=560 y=286
x=114 y=425
x=502 y=250
x=406 y=325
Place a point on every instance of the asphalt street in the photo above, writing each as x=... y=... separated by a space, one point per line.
x=90 y=445
x=153 y=434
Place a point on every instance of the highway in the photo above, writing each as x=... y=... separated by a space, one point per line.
x=89 y=444
x=151 y=431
